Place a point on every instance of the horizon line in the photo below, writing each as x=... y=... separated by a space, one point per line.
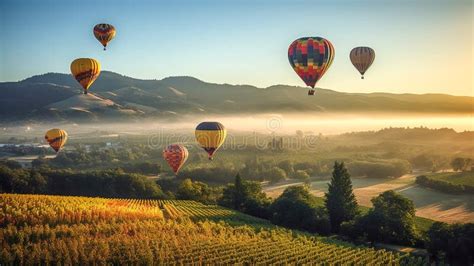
x=188 y=76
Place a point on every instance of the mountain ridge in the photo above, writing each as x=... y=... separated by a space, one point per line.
x=140 y=98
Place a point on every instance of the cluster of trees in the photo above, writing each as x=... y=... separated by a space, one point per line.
x=146 y=168
x=390 y=220
x=461 y=164
x=454 y=242
x=108 y=183
x=431 y=162
x=269 y=170
x=21 y=150
x=443 y=185
x=98 y=156
x=223 y=174
x=297 y=208
x=198 y=191
x=380 y=169
x=255 y=169
x=246 y=197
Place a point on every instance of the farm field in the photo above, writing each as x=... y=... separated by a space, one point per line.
x=429 y=203
x=38 y=229
x=456 y=178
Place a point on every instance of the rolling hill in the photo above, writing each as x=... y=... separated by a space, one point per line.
x=57 y=95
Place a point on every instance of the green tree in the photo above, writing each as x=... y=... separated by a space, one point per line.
x=340 y=200
x=392 y=219
x=452 y=242
x=301 y=175
x=198 y=191
x=246 y=196
x=460 y=164
x=275 y=174
x=297 y=208
x=287 y=166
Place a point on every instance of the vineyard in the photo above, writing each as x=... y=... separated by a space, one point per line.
x=38 y=229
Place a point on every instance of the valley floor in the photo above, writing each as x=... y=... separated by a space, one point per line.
x=429 y=203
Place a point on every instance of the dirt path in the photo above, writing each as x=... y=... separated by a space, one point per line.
x=429 y=203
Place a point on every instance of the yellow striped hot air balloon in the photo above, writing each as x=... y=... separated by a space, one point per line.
x=104 y=33
x=85 y=71
x=210 y=135
x=56 y=138
x=362 y=58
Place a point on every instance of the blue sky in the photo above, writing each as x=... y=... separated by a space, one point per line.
x=422 y=46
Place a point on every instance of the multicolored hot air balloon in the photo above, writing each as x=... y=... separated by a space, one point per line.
x=362 y=58
x=311 y=57
x=85 y=71
x=210 y=135
x=176 y=155
x=104 y=33
x=56 y=138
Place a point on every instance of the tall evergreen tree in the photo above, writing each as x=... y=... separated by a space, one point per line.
x=246 y=196
x=239 y=192
x=340 y=200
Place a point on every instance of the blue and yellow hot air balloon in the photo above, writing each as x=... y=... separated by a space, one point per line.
x=210 y=135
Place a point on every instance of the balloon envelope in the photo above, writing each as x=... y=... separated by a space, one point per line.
x=85 y=71
x=210 y=135
x=310 y=58
x=362 y=58
x=56 y=138
x=104 y=33
x=176 y=155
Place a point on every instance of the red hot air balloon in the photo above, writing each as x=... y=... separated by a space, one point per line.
x=176 y=155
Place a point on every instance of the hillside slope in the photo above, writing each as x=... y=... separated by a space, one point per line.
x=188 y=95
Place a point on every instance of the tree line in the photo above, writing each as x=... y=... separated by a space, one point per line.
x=97 y=183
x=444 y=186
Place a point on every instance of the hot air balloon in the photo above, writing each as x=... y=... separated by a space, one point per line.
x=85 y=71
x=176 y=155
x=362 y=58
x=56 y=138
x=210 y=135
x=311 y=57
x=104 y=33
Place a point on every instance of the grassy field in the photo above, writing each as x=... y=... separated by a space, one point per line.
x=422 y=224
x=457 y=178
x=78 y=230
x=430 y=204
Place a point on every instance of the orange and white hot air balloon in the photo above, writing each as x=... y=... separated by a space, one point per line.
x=56 y=138
x=176 y=155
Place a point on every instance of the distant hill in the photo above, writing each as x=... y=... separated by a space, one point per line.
x=119 y=96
